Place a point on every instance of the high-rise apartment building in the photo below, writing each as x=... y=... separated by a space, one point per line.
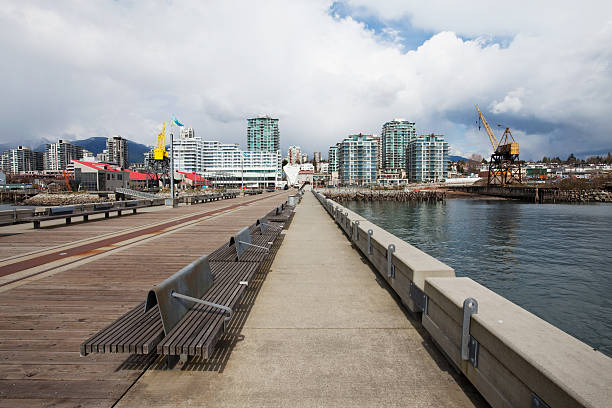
x=294 y=155
x=357 y=160
x=59 y=155
x=333 y=158
x=262 y=134
x=187 y=151
x=117 y=151
x=394 y=139
x=378 y=141
x=427 y=158
x=21 y=160
x=316 y=160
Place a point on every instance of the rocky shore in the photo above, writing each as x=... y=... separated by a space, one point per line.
x=574 y=196
x=385 y=195
x=45 y=199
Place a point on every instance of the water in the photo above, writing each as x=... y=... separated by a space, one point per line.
x=554 y=260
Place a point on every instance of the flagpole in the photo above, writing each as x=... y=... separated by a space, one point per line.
x=172 y=162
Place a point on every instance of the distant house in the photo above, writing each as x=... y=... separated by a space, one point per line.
x=305 y=176
x=191 y=180
x=99 y=176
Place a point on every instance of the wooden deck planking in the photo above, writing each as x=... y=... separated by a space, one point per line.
x=70 y=306
x=13 y=244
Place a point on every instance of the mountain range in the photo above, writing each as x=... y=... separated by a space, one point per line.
x=94 y=144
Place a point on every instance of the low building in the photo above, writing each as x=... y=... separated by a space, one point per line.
x=305 y=177
x=91 y=176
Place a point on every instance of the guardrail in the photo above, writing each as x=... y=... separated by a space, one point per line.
x=135 y=193
x=513 y=358
x=15 y=216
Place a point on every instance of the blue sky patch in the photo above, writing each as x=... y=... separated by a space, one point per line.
x=409 y=37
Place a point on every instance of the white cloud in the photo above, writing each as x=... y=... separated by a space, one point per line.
x=95 y=69
x=511 y=103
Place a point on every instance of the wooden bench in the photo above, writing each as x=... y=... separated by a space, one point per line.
x=140 y=331
x=69 y=214
x=196 y=332
x=244 y=247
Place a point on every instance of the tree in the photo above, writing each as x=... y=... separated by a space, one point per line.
x=545 y=159
x=473 y=164
x=284 y=162
x=571 y=158
x=461 y=167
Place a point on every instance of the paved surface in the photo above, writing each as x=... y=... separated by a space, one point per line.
x=322 y=332
x=46 y=314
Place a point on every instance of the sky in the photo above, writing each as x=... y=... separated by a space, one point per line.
x=80 y=69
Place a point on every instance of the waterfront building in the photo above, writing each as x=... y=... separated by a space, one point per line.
x=304 y=158
x=117 y=151
x=294 y=155
x=307 y=166
x=188 y=151
x=323 y=168
x=333 y=158
x=58 y=155
x=92 y=176
x=379 y=149
x=227 y=165
x=357 y=160
x=21 y=160
x=262 y=134
x=427 y=158
x=395 y=137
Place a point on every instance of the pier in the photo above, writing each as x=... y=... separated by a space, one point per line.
x=347 y=315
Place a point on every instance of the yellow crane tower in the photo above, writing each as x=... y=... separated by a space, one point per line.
x=160 y=153
x=504 y=165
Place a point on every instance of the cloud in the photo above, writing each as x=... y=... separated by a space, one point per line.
x=511 y=103
x=102 y=68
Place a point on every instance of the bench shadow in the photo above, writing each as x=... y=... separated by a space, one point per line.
x=79 y=222
x=233 y=333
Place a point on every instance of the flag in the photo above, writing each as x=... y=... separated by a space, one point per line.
x=175 y=121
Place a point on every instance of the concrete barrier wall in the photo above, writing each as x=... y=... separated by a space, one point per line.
x=405 y=269
x=516 y=358
x=8 y=217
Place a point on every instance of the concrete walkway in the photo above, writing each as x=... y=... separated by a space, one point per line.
x=323 y=332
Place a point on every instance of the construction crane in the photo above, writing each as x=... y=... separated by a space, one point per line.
x=504 y=166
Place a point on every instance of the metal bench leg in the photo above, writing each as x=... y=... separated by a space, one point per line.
x=118 y=213
x=36 y=224
x=134 y=211
x=86 y=218
x=106 y=215
x=68 y=220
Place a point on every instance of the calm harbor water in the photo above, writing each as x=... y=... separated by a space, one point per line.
x=554 y=260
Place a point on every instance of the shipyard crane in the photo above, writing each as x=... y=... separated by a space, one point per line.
x=160 y=153
x=504 y=165
x=160 y=163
